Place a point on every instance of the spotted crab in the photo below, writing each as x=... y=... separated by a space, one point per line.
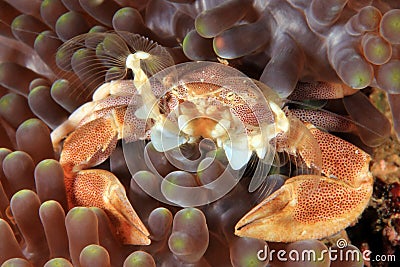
x=190 y=102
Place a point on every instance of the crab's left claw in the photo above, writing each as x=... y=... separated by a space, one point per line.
x=313 y=206
x=306 y=207
x=100 y=188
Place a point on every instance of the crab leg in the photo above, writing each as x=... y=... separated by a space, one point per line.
x=313 y=206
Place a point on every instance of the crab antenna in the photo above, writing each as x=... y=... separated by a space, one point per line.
x=142 y=83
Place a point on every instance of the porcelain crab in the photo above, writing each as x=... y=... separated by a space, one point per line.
x=197 y=100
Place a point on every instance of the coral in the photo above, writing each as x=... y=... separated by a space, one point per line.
x=356 y=45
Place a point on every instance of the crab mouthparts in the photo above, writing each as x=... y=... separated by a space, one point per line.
x=200 y=127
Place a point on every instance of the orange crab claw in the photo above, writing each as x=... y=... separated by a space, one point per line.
x=89 y=145
x=312 y=206
x=100 y=188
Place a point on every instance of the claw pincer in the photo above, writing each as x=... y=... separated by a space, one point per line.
x=313 y=206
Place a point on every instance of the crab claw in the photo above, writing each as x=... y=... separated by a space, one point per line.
x=305 y=207
x=90 y=145
x=314 y=206
x=100 y=188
